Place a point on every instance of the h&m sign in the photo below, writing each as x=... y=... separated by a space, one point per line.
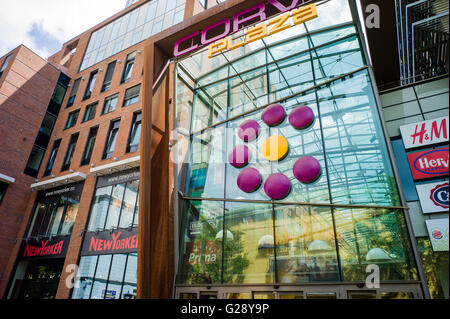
x=425 y=133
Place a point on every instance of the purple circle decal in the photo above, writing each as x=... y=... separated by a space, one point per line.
x=277 y=186
x=274 y=115
x=239 y=157
x=249 y=180
x=301 y=117
x=249 y=130
x=307 y=169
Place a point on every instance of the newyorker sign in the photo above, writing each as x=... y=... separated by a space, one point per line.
x=428 y=164
x=244 y=18
x=121 y=241
x=46 y=248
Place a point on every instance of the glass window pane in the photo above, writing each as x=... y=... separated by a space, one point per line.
x=85 y=277
x=115 y=206
x=249 y=255
x=101 y=277
x=100 y=208
x=306 y=250
x=69 y=217
x=374 y=236
x=130 y=282
x=128 y=207
x=116 y=276
x=200 y=253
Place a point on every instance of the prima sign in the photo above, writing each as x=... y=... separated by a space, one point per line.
x=254 y=14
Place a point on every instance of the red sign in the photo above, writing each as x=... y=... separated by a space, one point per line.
x=46 y=248
x=119 y=241
x=431 y=163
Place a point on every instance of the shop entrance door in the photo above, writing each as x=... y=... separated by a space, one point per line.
x=41 y=280
x=344 y=291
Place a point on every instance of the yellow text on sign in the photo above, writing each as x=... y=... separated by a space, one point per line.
x=283 y=22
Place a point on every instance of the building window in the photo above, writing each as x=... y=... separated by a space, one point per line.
x=131 y=95
x=110 y=104
x=51 y=159
x=128 y=69
x=135 y=133
x=89 y=114
x=3 y=187
x=57 y=98
x=72 y=119
x=108 y=76
x=111 y=140
x=70 y=152
x=45 y=130
x=90 y=85
x=115 y=206
x=34 y=161
x=55 y=215
x=73 y=92
x=107 y=277
x=204 y=3
x=89 y=146
x=5 y=64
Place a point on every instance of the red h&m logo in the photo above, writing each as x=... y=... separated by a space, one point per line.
x=431 y=163
x=422 y=135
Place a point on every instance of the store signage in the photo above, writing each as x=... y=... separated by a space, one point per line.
x=425 y=133
x=434 y=197
x=118 y=241
x=252 y=15
x=431 y=163
x=195 y=255
x=118 y=178
x=438 y=232
x=46 y=248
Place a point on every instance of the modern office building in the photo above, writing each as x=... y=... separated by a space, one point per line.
x=220 y=149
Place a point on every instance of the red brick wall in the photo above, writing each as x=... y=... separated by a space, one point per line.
x=26 y=88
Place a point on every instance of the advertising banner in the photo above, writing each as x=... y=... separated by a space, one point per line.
x=438 y=231
x=425 y=133
x=46 y=248
x=428 y=164
x=121 y=241
x=433 y=197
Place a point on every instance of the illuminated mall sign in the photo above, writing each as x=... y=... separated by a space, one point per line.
x=425 y=133
x=252 y=15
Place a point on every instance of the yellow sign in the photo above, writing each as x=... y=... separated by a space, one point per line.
x=275 y=148
x=278 y=24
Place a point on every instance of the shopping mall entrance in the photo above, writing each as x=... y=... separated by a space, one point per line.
x=350 y=291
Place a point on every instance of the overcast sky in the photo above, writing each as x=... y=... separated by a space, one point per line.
x=44 y=25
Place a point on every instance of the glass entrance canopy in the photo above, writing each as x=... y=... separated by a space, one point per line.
x=328 y=230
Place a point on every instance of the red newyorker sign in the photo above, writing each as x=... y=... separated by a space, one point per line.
x=46 y=248
x=431 y=163
x=119 y=241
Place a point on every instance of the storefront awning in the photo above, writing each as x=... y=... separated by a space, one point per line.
x=117 y=166
x=6 y=179
x=58 y=181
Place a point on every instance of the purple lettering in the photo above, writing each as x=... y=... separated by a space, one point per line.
x=227 y=24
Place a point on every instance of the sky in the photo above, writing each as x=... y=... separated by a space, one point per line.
x=44 y=25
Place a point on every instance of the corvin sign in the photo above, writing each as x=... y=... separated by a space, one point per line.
x=119 y=241
x=251 y=15
x=434 y=197
x=428 y=164
x=425 y=133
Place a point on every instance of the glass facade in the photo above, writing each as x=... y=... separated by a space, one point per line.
x=137 y=25
x=329 y=230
